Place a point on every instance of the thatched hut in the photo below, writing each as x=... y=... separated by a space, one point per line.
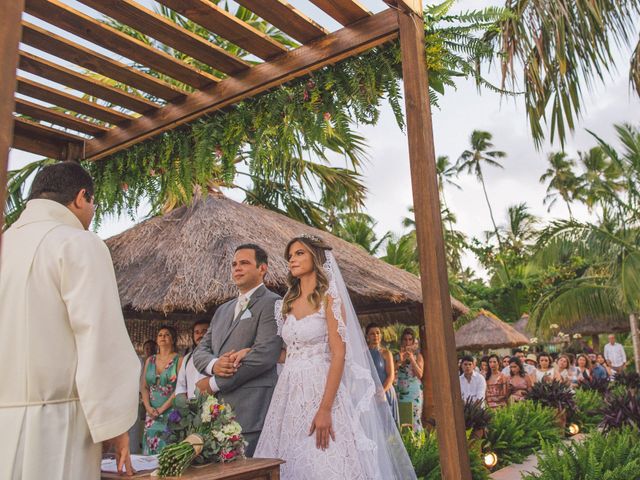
x=488 y=331
x=178 y=266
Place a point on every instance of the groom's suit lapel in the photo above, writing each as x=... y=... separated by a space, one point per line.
x=235 y=321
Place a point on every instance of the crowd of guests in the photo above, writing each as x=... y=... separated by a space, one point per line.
x=499 y=381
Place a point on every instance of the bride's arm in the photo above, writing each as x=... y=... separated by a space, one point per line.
x=283 y=355
x=322 y=423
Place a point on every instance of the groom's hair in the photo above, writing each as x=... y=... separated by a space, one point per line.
x=261 y=256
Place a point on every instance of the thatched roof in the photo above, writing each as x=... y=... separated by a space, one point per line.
x=181 y=263
x=586 y=326
x=523 y=327
x=488 y=331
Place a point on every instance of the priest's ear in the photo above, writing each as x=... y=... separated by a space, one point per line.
x=82 y=207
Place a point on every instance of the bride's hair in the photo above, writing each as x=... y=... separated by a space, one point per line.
x=317 y=247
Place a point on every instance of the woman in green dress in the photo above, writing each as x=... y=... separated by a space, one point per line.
x=157 y=389
x=410 y=366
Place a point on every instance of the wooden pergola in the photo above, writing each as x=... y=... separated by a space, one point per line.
x=235 y=79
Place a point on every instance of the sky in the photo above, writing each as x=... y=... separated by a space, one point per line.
x=386 y=173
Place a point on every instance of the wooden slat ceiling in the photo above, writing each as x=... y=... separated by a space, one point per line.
x=128 y=90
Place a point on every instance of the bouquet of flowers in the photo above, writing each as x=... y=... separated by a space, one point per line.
x=201 y=430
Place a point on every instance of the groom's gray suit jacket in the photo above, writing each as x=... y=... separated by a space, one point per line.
x=249 y=390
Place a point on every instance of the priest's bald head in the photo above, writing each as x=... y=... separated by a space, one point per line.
x=69 y=184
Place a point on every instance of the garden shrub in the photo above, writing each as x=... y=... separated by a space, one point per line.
x=612 y=456
x=588 y=414
x=517 y=430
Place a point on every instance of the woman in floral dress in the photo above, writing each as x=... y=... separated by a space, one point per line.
x=410 y=367
x=157 y=389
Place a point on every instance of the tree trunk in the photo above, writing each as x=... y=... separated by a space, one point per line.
x=595 y=343
x=635 y=338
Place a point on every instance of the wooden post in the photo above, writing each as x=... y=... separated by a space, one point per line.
x=454 y=456
x=635 y=338
x=10 y=31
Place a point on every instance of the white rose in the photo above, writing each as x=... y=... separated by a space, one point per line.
x=232 y=428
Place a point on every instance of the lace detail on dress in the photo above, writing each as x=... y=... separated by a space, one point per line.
x=279 y=317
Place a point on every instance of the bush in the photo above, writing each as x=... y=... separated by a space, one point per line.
x=613 y=456
x=476 y=415
x=588 y=414
x=627 y=379
x=517 y=430
x=423 y=451
x=553 y=394
x=621 y=408
x=594 y=383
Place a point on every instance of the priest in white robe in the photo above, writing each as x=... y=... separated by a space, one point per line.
x=70 y=373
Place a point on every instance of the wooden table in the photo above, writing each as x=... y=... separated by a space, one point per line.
x=247 y=469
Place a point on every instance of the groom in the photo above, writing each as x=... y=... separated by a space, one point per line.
x=244 y=322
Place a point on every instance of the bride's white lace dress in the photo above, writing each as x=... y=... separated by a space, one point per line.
x=295 y=402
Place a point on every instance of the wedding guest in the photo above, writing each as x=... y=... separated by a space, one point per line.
x=545 y=371
x=484 y=366
x=383 y=361
x=597 y=371
x=188 y=375
x=472 y=384
x=158 y=389
x=150 y=347
x=615 y=355
x=410 y=366
x=497 y=392
x=583 y=369
x=529 y=370
x=505 y=364
x=562 y=372
x=531 y=366
x=603 y=363
x=519 y=382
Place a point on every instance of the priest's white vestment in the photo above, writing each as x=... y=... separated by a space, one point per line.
x=70 y=375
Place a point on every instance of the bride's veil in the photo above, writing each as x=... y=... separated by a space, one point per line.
x=377 y=437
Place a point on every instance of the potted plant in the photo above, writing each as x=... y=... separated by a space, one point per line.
x=556 y=395
x=476 y=417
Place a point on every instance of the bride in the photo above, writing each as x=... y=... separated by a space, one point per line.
x=328 y=417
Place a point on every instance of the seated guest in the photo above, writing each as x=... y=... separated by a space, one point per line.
x=545 y=371
x=519 y=382
x=188 y=376
x=472 y=384
x=583 y=369
x=597 y=370
x=157 y=388
x=562 y=372
x=383 y=361
x=497 y=392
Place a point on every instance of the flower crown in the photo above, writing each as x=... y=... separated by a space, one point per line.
x=313 y=238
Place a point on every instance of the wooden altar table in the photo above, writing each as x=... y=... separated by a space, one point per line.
x=247 y=469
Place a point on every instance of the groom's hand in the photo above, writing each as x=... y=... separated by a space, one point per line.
x=224 y=366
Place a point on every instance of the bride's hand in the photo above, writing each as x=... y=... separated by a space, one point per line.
x=322 y=426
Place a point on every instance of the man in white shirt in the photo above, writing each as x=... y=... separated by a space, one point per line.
x=528 y=369
x=472 y=385
x=614 y=355
x=188 y=375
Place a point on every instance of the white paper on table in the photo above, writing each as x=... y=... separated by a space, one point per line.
x=138 y=462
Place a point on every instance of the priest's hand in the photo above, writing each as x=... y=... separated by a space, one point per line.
x=203 y=386
x=120 y=446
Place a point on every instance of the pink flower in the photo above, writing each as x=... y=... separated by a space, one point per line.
x=234 y=438
x=326 y=116
x=228 y=455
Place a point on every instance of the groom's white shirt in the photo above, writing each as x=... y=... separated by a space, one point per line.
x=242 y=298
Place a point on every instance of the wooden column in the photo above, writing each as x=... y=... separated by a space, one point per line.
x=454 y=457
x=10 y=31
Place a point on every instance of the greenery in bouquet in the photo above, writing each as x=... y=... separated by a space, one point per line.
x=201 y=430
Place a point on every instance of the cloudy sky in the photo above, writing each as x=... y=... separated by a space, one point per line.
x=461 y=111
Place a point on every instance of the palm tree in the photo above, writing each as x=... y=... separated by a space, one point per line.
x=562 y=180
x=358 y=228
x=601 y=181
x=610 y=285
x=401 y=252
x=472 y=161
x=520 y=229
x=559 y=49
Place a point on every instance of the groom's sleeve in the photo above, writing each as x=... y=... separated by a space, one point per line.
x=203 y=355
x=263 y=355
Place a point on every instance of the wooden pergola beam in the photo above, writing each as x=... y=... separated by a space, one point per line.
x=225 y=24
x=71 y=20
x=50 y=142
x=440 y=340
x=44 y=68
x=167 y=32
x=72 y=52
x=38 y=112
x=70 y=102
x=9 y=40
x=343 y=11
x=349 y=41
x=287 y=18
